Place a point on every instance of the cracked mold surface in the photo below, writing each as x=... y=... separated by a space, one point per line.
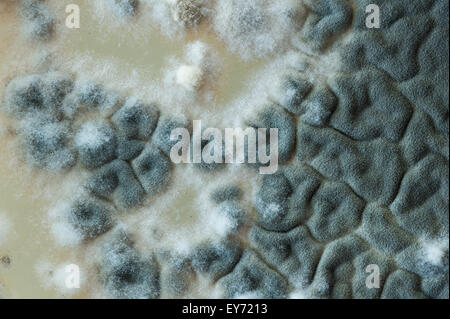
x=363 y=149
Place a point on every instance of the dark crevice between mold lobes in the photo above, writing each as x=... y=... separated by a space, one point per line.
x=91 y=217
x=369 y=107
x=437 y=287
x=125 y=273
x=380 y=228
x=46 y=145
x=335 y=269
x=371 y=257
x=327 y=20
x=167 y=123
x=148 y=170
x=402 y=285
x=381 y=48
x=283 y=200
x=372 y=169
x=416 y=146
x=421 y=206
x=274 y=269
x=136 y=120
x=414 y=260
x=176 y=276
x=295 y=253
x=336 y=211
x=274 y=116
x=34 y=100
x=129 y=149
x=96 y=143
x=216 y=259
x=319 y=106
x=153 y=169
x=252 y=278
x=321 y=201
x=117 y=182
x=40 y=93
x=290 y=91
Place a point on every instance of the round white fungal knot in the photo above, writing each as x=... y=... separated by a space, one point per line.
x=189 y=76
x=435 y=252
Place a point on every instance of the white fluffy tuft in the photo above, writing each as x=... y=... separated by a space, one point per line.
x=255 y=28
x=189 y=76
x=91 y=135
x=434 y=252
x=63 y=233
